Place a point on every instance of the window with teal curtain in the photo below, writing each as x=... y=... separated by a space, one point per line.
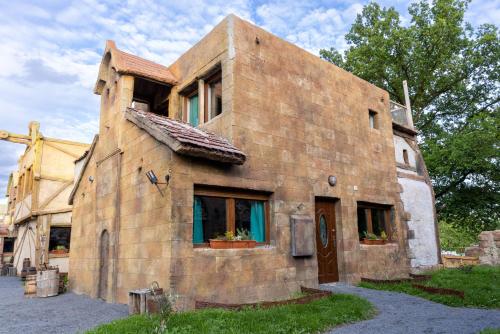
x=257 y=221
x=197 y=221
x=193 y=110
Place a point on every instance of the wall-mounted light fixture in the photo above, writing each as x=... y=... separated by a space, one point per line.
x=154 y=180
x=332 y=180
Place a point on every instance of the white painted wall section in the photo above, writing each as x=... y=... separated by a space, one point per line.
x=417 y=200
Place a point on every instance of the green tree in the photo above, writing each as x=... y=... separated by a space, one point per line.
x=453 y=74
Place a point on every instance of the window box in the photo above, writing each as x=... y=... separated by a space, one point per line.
x=227 y=244
x=59 y=251
x=374 y=242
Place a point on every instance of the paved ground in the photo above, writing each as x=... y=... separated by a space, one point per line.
x=401 y=313
x=67 y=313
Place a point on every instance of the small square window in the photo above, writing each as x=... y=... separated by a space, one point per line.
x=373 y=219
x=60 y=238
x=372 y=115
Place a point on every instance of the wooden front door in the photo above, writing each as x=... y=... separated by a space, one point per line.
x=104 y=265
x=326 y=241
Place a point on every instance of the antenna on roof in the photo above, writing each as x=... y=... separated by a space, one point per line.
x=407 y=104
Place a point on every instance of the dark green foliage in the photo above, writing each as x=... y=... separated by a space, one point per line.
x=453 y=76
x=455 y=238
x=481 y=285
x=314 y=317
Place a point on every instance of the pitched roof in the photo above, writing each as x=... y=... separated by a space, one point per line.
x=126 y=63
x=184 y=139
x=87 y=155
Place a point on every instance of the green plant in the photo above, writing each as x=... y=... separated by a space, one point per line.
x=243 y=234
x=61 y=247
x=383 y=235
x=314 y=317
x=370 y=236
x=229 y=235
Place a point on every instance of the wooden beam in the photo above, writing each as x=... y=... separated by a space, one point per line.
x=74 y=155
x=55 y=194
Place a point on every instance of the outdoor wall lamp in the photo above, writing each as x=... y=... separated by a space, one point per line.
x=154 y=180
x=332 y=180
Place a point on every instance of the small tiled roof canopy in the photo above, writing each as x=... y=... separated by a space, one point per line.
x=126 y=63
x=184 y=139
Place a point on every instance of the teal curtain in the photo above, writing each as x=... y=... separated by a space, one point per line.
x=193 y=110
x=257 y=222
x=197 y=222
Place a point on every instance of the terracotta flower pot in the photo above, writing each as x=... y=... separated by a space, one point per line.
x=227 y=244
x=374 y=241
x=59 y=251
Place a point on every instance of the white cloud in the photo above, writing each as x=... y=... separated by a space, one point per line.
x=51 y=50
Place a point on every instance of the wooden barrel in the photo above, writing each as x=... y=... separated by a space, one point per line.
x=47 y=283
x=26 y=263
x=30 y=285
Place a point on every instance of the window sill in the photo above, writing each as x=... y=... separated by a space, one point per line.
x=259 y=249
x=56 y=255
x=392 y=244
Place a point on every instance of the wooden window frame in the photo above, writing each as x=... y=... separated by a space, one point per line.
x=230 y=196
x=186 y=98
x=210 y=80
x=367 y=207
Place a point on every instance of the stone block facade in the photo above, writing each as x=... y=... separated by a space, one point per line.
x=297 y=118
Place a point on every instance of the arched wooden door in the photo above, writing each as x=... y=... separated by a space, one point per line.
x=103 y=265
x=326 y=241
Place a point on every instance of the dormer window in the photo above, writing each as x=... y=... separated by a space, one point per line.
x=150 y=96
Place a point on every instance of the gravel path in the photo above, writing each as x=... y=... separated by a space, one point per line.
x=402 y=313
x=67 y=313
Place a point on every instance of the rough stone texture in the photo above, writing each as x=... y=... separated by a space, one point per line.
x=489 y=244
x=401 y=313
x=473 y=250
x=67 y=313
x=298 y=119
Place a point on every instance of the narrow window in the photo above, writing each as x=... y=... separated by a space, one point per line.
x=215 y=213
x=405 y=157
x=214 y=97
x=372 y=115
x=8 y=245
x=193 y=110
x=59 y=239
x=373 y=219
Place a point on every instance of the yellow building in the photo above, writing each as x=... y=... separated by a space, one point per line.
x=38 y=214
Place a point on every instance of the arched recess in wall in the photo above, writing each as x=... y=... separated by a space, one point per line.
x=103 y=265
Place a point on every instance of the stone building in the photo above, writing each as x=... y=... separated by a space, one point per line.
x=243 y=131
x=38 y=214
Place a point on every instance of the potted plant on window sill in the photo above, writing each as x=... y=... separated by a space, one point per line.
x=59 y=250
x=373 y=239
x=243 y=239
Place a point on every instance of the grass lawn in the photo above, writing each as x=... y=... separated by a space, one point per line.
x=314 y=317
x=490 y=331
x=480 y=284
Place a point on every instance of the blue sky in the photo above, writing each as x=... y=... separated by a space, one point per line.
x=50 y=50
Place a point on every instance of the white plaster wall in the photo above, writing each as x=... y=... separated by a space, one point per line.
x=61 y=262
x=399 y=145
x=417 y=199
x=25 y=249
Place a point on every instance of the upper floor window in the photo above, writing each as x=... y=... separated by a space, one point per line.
x=213 y=100
x=216 y=212
x=373 y=119
x=193 y=106
x=59 y=239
